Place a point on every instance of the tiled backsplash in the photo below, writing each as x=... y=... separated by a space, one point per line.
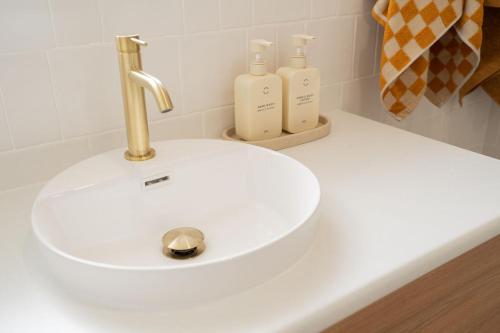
x=60 y=97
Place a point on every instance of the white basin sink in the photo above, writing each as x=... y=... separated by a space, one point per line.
x=101 y=227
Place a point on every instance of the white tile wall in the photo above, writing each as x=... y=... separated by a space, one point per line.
x=60 y=97
x=270 y=11
x=87 y=89
x=69 y=16
x=149 y=19
x=330 y=97
x=430 y=121
x=217 y=120
x=235 y=13
x=323 y=8
x=25 y=25
x=201 y=15
x=333 y=53
x=210 y=63
x=37 y=164
x=365 y=42
x=353 y=7
x=467 y=125
x=474 y=126
x=492 y=140
x=361 y=97
x=28 y=98
x=5 y=141
x=184 y=127
x=107 y=141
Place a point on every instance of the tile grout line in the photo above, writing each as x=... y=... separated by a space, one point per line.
x=219 y=13
x=7 y=124
x=180 y=62
x=183 y=18
x=492 y=111
x=180 y=77
x=41 y=145
x=52 y=22
x=277 y=51
x=354 y=45
x=252 y=13
x=101 y=20
x=45 y=54
x=341 y=96
x=52 y=91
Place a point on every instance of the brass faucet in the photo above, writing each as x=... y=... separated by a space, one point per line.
x=133 y=81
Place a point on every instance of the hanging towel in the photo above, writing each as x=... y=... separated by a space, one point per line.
x=430 y=47
x=487 y=74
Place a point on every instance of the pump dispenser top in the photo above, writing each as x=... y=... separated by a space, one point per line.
x=258 y=47
x=299 y=59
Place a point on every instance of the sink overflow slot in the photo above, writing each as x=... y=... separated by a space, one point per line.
x=155 y=181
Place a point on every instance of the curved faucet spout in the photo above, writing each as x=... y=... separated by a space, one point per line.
x=155 y=87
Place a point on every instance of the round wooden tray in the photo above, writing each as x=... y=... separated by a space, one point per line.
x=286 y=140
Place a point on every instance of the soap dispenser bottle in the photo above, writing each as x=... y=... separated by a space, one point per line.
x=301 y=86
x=257 y=98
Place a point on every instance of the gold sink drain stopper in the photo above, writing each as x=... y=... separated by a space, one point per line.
x=183 y=243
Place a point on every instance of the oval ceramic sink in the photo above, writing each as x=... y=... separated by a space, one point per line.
x=101 y=222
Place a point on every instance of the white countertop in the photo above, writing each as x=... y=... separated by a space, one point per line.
x=394 y=206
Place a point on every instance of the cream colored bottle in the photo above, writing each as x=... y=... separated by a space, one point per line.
x=257 y=99
x=301 y=86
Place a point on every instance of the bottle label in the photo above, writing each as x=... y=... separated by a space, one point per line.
x=266 y=107
x=304 y=85
x=304 y=99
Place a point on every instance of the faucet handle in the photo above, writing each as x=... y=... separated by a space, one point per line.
x=129 y=44
x=138 y=41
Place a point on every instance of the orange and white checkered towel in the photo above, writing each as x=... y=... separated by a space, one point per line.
x=429 y=46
